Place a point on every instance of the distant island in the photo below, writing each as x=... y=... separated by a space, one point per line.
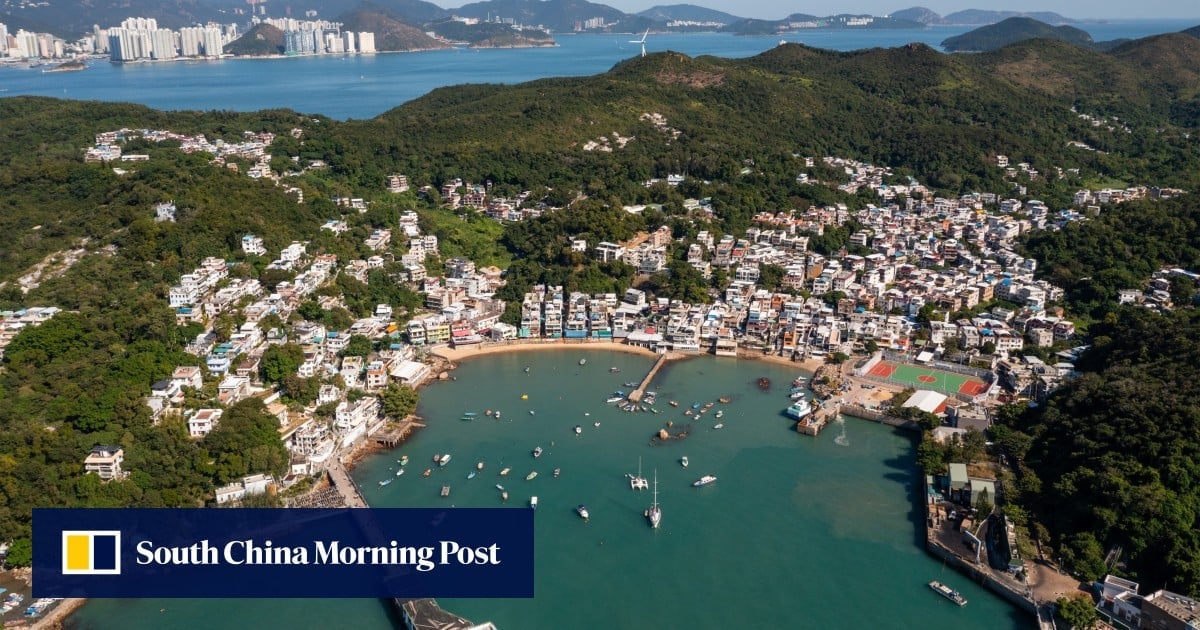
x=1011 y=31
x=70 y=66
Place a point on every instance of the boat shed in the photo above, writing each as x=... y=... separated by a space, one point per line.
x=927 y=400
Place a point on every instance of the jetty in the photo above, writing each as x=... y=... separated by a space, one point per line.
x=426 y=614
x=636 y=395
x=345 y=485
x=818 y=419
x=395 y=434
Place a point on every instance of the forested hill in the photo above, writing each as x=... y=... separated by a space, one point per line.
x=1011 y=31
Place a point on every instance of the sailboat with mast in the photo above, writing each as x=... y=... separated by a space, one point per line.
x=654 y=514
x=638 y=482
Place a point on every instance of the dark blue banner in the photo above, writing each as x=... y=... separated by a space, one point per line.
x=377 y=552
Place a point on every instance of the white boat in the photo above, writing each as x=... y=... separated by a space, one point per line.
x=796 y=395
x=557 y=472
x=500 y=487
x=638 y=482
x=533 y=502
x=683 y=461
x=532 y=412
x=582 y=511
x=530 y=476
x=798 y=409
x=720 y=413
x=385 y=482
x=578 y=429
x=403 y=461
x=471 y=475
x=445 y=491
x=504 y=473
x=583 y=362
x=479 y=466
x=615 y=399
x=948 y=593
x=537 y=452
x=399 y=472
x=654 y=514
x=504 y=495
x=444 y=460
x=595 y=424
x=719 y=425
x=704 y=481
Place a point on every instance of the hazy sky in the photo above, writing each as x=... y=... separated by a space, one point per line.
x=774 y=10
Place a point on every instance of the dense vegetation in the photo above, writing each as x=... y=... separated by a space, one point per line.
x=1011 y=31
x=739 y=130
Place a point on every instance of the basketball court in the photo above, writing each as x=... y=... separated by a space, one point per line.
x=926 y=378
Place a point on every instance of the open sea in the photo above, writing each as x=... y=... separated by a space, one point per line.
x=365 y=86
x=796 y=533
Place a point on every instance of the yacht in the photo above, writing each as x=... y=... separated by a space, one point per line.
x=704 y=481
x=798 y=409
x=638 y=482
x=444 y=460
x=684 y=461
x=533 y=502
x=582 y=512
x=948 y=593
x=537 y=452
x=654 y=514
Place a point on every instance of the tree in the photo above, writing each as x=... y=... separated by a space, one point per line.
x=988 y=347
x=871 y=347
x=399 y=401
x=20 y=553
x=358 y=346
x=1078 y=610
x=931 y=456
x=279 y=361
x=984 y=504
x=974 y=445
x=837 y=358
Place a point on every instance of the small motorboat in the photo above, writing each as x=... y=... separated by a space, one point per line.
x=428 y=471
x=385 y=482
x=582 y=511
x=436 y=457
x=445 y=491
x=578 y=429
x=471 y=475
x=504 y=473
x=595 y=424
x=537 y=452
x=399 y=472
x=683 y=461
x=530 y=476
x=673 y=403
x=479 y=465
x=403 y=461
x=557 y=472
x=533 y=502
x=614 y=370
x=500 y=487
x=583 y=362
x=504 y=495
x=719 y=425
x=532 y=412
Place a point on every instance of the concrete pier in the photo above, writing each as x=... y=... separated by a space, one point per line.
x=394 y=435
x=815 y=421
x=345 y=485
x=636 y=395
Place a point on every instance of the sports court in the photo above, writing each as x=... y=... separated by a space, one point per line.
x=927 y=378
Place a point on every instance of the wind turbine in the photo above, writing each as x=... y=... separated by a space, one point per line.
x=641 y=41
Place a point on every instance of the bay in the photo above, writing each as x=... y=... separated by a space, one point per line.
x=796 y=532
x=365 y=86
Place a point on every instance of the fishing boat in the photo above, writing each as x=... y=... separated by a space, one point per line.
x=504 y=473
x=437 y=457
x=385 y=482
x=578 y=429
x=404 y=460
x=537 y=452
x=583 y=362
x=557 y=472
x=582 y=511
x=445 y=491
x=654 y=514
x=530 y=476
x=533 y=502
x=471 y=475
x=704 y=481
x=428 y=471
x=399 y=472
x=724 y=400
x=719 y=425
x=444 y=460
x=798 y=409
x=683 y=461
x=488 y=413
x=948 y=593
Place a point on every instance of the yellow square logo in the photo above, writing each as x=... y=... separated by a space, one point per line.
x=91 y=553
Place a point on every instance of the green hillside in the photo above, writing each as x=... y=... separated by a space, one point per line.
x=1011 y=31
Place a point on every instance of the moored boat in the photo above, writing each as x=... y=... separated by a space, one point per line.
x=504 y=495
x=948 y=593
x=537 y=452
x=445 y=491
x=673 y=403
x=704 y=481
x=530 y=476
x=471 y=475
x=798 y=409
x=582 y=511
x=719 y=425
x=557 y=472
x=654 y=513
x=578 y=429
x=404 y=460
x=683 y=461
x=385 y=482
x=479 y=465
x=399 y=472
x=444 y=460
x=533 y=502
x=504 y=473
x=428 y=471
x=583 y=362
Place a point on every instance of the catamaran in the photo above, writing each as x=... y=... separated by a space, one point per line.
x=654 y=514
x=638 y=482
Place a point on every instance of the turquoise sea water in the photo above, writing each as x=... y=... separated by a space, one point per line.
x=797 y=532
x=365 y=86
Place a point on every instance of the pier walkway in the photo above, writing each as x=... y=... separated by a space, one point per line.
x=636 y=395
x=396 y=434
x=345 y=485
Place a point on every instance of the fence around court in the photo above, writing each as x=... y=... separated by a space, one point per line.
x=966 y=370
